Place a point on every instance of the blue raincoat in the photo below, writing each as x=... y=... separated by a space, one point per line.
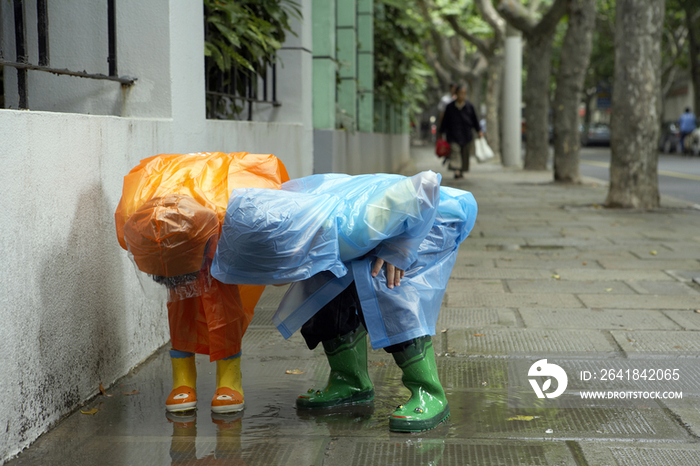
x=323 y=231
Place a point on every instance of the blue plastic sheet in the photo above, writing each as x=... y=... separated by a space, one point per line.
x=324 y=231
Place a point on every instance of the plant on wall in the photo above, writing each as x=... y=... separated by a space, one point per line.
x=400 y=70
x=241 y=40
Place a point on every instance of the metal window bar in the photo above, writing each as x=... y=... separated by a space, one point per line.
x=218 y=87
x=22 y=65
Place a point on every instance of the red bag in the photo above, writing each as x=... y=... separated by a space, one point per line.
x=442 y=148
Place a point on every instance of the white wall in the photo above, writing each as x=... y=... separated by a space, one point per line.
x=72 y=311
x=358 y=153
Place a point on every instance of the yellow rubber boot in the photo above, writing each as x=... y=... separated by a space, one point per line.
x=184 y=394
x=229 y=392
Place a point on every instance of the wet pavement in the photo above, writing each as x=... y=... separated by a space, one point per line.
x=546 y=271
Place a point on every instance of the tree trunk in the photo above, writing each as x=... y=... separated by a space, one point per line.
x=636 y=104
x=536 y=97
x=493 y=102
x=575 y=56
x=694 y=49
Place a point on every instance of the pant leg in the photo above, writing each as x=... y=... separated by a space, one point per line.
x=455 y=157
x=683 y=135
x=466 y=154
x=339 y=317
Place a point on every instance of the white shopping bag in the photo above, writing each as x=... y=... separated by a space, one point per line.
x=482 y=149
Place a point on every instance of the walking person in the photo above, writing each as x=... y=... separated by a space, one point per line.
x=445 y=101
x=459 y=121
x=687 y=123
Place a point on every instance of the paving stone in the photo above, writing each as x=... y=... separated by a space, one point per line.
x=455 y=318
x=494 y=273
x=640 y=302
x=594 y=241
x=688 y=411
x=568 y=286
x=658 y=341
x=463 y=260
x=264 y=341
x=475 y=286
x=262 y=318
x=507 y=341
x=661 y=287
x=663 y=253
x=583 y=273
x=447 y=452
x=651 y=454
x=597 y=319
x=688 y=320
x=681 y=264
x=486 y=414
x=478 y=300
x=684 y=275
x=546 y=264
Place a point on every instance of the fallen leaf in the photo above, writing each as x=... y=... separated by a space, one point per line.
x=293 y=371
x=585 y=263
x=697 y=310
x=652 y=252
x=549 y=431
x=555 y=276
x=444 y=330
x=102 y=390
x=478 y=334
x=520 y=417
x=133 y=392
x=608 y=290
x=379 y=364
x=483 y=384
x=89 y=411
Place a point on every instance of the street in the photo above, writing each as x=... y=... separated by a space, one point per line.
x=678 y=176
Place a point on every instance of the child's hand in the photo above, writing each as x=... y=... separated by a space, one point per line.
x=393 y=274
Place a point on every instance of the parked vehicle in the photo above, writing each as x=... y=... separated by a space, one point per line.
x=595 y=134
x=670 y=139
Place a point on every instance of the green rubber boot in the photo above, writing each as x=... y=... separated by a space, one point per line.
x=427 y=406
x=349 y=382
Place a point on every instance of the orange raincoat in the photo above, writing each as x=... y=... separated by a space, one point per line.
x=169 y=218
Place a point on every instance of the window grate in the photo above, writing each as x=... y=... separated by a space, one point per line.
x=21 y=62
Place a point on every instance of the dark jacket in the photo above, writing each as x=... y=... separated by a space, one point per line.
x=458 y=124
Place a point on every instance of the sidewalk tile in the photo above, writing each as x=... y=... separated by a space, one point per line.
x=568 y=286
x=596 y=319
x=477 y=300
x=584 y=273
x=661 y=287
x=490 y=341
x=625 y=454
x=640 y=301
x=658 y=341
x=455 y=318
x=688 y=320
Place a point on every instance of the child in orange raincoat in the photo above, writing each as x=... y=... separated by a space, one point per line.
x=169 y=219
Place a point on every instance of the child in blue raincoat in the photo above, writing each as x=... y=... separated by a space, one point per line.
x=368 y=254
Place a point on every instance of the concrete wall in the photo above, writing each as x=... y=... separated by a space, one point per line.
x=72 y=310
x=358 y=153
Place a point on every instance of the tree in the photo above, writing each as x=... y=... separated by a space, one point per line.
x=492 y=49
x=692 y=14
x=538 y=64
x=575 y=56
x=400 y=70
x=636 y=104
